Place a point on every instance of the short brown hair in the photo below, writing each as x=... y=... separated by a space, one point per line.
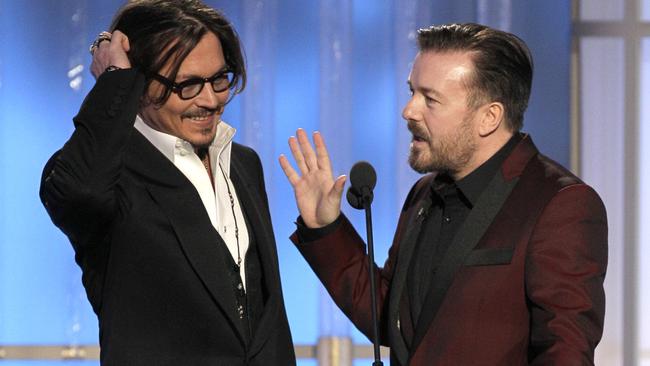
x=502 y=61
x=163 y=31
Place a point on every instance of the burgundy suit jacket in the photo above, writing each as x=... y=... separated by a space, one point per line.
x=522 y=282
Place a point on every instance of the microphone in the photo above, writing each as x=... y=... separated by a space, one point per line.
x=362 y=181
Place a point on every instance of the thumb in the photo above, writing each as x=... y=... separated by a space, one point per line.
x=339 y=184
x=125 y=44
x=121 y=40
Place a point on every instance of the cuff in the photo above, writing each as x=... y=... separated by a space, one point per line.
x=306 y=234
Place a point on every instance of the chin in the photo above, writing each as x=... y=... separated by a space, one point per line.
x=418 y=163
x=201 y=141
x=201 y=144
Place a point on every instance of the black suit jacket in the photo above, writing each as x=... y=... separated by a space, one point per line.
x=152 y=264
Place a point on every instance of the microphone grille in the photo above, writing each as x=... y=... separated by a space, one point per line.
x=363 y=174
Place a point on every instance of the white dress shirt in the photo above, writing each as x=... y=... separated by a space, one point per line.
x=216 y=201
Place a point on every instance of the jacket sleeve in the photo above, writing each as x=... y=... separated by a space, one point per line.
x=565 y=269
x=340 y=262
x=77 y=185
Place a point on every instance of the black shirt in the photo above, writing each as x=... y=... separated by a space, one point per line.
x=451 y=202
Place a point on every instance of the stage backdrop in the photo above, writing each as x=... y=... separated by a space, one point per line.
x=338 y=66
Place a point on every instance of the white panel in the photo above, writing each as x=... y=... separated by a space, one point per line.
x=336 y=120
x=645 y=10
x=603 y=162
x=258 y=101
x=601 y=10
x=497 y=15
x=405 y=26
x=644 y=202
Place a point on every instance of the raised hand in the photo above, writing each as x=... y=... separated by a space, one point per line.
x=111 y=52
x=318 y=195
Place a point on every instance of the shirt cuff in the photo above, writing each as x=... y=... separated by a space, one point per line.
x=306 y=234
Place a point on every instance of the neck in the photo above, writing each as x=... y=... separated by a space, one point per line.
x=486 y=147
x=204 y=155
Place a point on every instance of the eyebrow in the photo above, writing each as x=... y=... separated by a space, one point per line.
x=428 y=91
x=184 y=77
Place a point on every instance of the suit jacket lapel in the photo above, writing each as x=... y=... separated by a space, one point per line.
x=414 y=226
x=182 y=205
x=469 y=234
x=260 y=225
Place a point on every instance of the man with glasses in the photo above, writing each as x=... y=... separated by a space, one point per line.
x=169 y=217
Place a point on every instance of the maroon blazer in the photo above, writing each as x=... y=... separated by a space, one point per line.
x=522 y=283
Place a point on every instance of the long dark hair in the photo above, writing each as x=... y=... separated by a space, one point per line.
x=166 y=31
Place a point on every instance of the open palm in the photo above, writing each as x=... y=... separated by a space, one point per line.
x=318 y=194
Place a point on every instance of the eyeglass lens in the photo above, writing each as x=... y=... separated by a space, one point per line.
x=219 y=83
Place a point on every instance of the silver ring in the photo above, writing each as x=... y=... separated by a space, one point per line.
x=103 y=36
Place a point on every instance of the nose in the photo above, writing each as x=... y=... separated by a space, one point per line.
x=409 y=113
x=210 y=99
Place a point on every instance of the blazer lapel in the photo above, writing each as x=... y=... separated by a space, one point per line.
x=260 y=225
x=414 y=225
x=180 y=202
x=469 y=234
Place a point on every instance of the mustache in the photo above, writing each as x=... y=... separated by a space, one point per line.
x=417 y=130
x=203 y=112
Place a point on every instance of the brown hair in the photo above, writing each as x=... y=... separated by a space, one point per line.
x=502 y=61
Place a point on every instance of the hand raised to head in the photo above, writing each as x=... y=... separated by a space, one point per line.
x=111 y=52
x=317 y=193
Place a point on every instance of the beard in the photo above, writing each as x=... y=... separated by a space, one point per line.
x=205 y=136
x=446 y=154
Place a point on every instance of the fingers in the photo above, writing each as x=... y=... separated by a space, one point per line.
x=100 y=59
x=291 y=174
x=297 y=155
x=110 y=52
x=317 y=194
x=323 y=159
x=307 y=150
x=307 y=159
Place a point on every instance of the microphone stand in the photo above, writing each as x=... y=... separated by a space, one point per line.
x=373 y=291
x=362 y=180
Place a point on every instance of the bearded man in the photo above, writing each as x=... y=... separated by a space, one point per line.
x=500 y=253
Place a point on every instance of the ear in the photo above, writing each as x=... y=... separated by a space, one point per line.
x=492 y=115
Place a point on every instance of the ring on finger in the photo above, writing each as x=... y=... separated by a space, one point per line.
x=103 y=36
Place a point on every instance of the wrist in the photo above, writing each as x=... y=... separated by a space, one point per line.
x=308 y=234
x=112 y=68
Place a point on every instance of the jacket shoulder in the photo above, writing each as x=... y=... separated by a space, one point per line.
x=245 y=153
x=550 y=181
x=554 y=173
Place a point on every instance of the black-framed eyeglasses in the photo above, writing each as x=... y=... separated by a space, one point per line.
x=190 y=88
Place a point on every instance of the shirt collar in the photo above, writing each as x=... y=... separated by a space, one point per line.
x=170 y=146
x=472 y=185
x=475 y=182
